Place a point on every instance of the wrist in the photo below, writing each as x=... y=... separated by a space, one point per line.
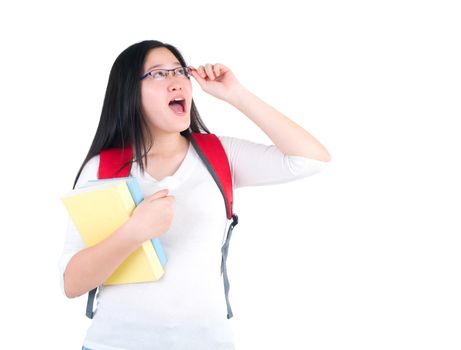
x=236 y=95
x=128 y=233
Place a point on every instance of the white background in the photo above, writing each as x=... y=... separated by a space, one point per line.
x=364 y=255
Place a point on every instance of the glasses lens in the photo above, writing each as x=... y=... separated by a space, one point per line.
x=160 y=74
x=181 y=71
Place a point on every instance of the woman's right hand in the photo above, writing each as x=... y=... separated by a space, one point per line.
x=152 y=217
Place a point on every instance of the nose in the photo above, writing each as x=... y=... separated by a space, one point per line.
x=175 y=85
x=176 y=82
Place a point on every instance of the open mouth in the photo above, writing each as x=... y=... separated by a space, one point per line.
x=178 y=106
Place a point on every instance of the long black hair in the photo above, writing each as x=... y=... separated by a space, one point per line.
x=122 y=123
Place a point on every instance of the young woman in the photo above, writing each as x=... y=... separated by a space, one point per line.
x=186 y=308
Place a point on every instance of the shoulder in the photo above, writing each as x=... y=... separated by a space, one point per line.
x=237 y=147
x=234 y=144
x=226 y=141
x=230 y=142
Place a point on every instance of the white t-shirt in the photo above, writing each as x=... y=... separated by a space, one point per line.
x=186 y=308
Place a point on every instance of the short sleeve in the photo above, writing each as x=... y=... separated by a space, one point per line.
x=256 y=164
x=73 y=242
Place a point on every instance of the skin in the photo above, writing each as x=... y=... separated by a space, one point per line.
x=164 y=124
x=220 y=82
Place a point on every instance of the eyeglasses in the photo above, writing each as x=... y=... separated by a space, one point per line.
x=161 y=74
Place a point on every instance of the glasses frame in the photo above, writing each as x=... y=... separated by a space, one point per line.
x=186 y=69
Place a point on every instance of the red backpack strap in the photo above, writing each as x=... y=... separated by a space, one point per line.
x=210 y=149
x=112 y=159
x=115 y=162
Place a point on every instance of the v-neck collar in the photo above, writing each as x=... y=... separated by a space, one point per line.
x=184 y=170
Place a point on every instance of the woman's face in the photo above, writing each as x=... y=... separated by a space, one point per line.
x=156 y=94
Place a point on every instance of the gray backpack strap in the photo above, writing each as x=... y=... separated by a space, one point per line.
x=225 y=250
x=227 y=193
x=90 y=302
x=213 y=155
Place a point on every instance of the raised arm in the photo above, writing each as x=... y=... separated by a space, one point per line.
x=219 y=81
x=289 y=137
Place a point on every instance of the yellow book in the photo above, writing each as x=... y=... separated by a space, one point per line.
x=97 y=212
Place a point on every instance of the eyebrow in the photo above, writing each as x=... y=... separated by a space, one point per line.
x=158 y=65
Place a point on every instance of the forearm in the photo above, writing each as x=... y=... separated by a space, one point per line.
x=91 y=266
x=288 y=136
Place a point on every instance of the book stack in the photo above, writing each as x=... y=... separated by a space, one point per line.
x=98 y=209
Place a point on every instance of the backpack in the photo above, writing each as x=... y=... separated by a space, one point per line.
x=212 y=153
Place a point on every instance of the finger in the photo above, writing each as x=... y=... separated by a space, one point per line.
x=192 y=70
x=196 y=74
x=201 y=71
x=159 y=194
x=216 y=70
x=222 y=68
x=209 y=71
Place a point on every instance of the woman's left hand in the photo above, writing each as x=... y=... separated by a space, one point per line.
x=217 y=80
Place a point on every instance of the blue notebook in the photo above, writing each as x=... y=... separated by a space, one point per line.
x=138 y=197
